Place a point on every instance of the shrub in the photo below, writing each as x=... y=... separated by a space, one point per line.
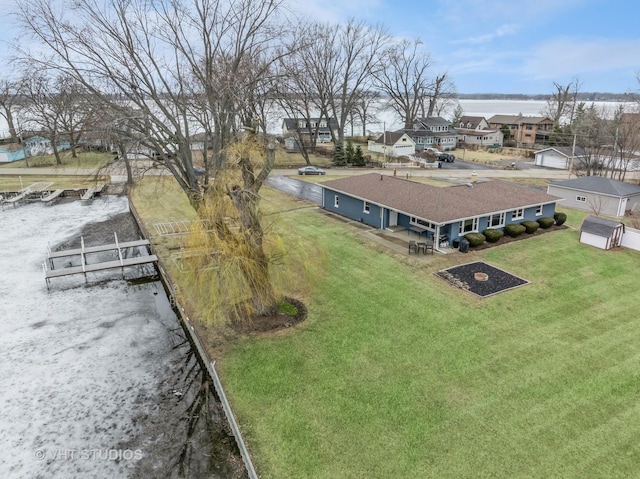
x=514 y=230
x=546 y=222
x=493 y=235
x=475 y=239
x=560 y=218
x=530 y=226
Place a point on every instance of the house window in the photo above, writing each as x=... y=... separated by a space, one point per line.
x=336 y=201
x=423 y=223
x=367 y=207
x=539 y=210
x=497 y=220
x=467 y=226
x=581 y=199
x=517 y=214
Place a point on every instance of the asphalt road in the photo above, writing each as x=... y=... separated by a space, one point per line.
x=301 y=189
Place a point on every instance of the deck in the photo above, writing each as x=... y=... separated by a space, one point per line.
x=122 y=262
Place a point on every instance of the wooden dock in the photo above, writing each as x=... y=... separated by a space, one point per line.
x=52 y=196
x=84 y=268
x=91 y=192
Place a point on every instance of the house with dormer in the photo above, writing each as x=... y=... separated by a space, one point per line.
x=432 y=132
x=475 y=130
x=393 y=144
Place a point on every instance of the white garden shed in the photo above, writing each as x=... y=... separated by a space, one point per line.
x=601 y=233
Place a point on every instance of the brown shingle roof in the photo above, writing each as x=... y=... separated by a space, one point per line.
x=436 y=204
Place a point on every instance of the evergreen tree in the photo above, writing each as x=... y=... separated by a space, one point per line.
x=349 y=152
x=339 y=157
x=358 y=157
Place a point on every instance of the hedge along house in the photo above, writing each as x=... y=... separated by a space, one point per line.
x=442 y=213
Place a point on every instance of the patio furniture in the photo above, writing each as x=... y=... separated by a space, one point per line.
x=413 y=246
x=425 y=246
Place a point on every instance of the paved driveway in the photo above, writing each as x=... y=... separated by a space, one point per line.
x=301 y=189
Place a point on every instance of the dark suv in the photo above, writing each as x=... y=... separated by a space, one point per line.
x=448 y=157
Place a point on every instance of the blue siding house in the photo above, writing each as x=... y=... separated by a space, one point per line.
x=442 y=213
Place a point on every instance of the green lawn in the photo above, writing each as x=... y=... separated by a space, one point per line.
x=396 y=374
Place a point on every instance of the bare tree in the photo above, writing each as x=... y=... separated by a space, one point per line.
x=167 y=59
x=10 y=95
x=561 y=105
x=442 y=95
x=593 y=139
x=625 y=131
x=405 y=79
x=366 y=108
x=300 y=89
x=346 y=62
x=43 y=112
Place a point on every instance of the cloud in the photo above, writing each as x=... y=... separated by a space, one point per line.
x=500 y=31
x=571 y=56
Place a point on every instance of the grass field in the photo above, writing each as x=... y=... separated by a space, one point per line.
x=16 y=183
x=395 y=374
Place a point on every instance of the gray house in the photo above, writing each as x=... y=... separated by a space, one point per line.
x=442 y=213
x=432 y=132
x=305 y=130
x=602 y=196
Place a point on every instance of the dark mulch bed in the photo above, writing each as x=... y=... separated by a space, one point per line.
x=463 y=277
x=274 y=322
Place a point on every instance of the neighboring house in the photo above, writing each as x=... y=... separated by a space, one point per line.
x=393 y=144
x=304 y=129
x=38 y=145
x=11 y=152
x=443 y=213
x=602 y=196
x=472 y=123
x=197 y=141
x=474 y=130
x=526 y=131
x=432 y=132
x=560 y=157
x=601 y=233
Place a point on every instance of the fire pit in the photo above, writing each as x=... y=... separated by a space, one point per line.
x=480 y=278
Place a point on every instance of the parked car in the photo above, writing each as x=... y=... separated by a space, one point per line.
x=310 y=170
x=448 y=157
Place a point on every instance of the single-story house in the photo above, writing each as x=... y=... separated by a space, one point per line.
x=602 y=196
x=601 y=233
x=393 y=144
x=559 y=157
x=445 y=214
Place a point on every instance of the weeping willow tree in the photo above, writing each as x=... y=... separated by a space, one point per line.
x=234 y=265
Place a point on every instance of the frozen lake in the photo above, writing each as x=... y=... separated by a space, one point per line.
x=96 y=380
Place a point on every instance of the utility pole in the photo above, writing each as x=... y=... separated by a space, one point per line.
x=573 y=154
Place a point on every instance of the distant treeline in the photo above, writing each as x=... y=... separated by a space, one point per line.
x=587 y=96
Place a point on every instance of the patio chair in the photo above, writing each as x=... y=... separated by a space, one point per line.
x=413 y=246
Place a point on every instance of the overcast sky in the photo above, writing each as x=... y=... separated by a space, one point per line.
x=512 y=46
x=499 y=46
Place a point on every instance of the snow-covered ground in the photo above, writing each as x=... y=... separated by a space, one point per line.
x=81 y=366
